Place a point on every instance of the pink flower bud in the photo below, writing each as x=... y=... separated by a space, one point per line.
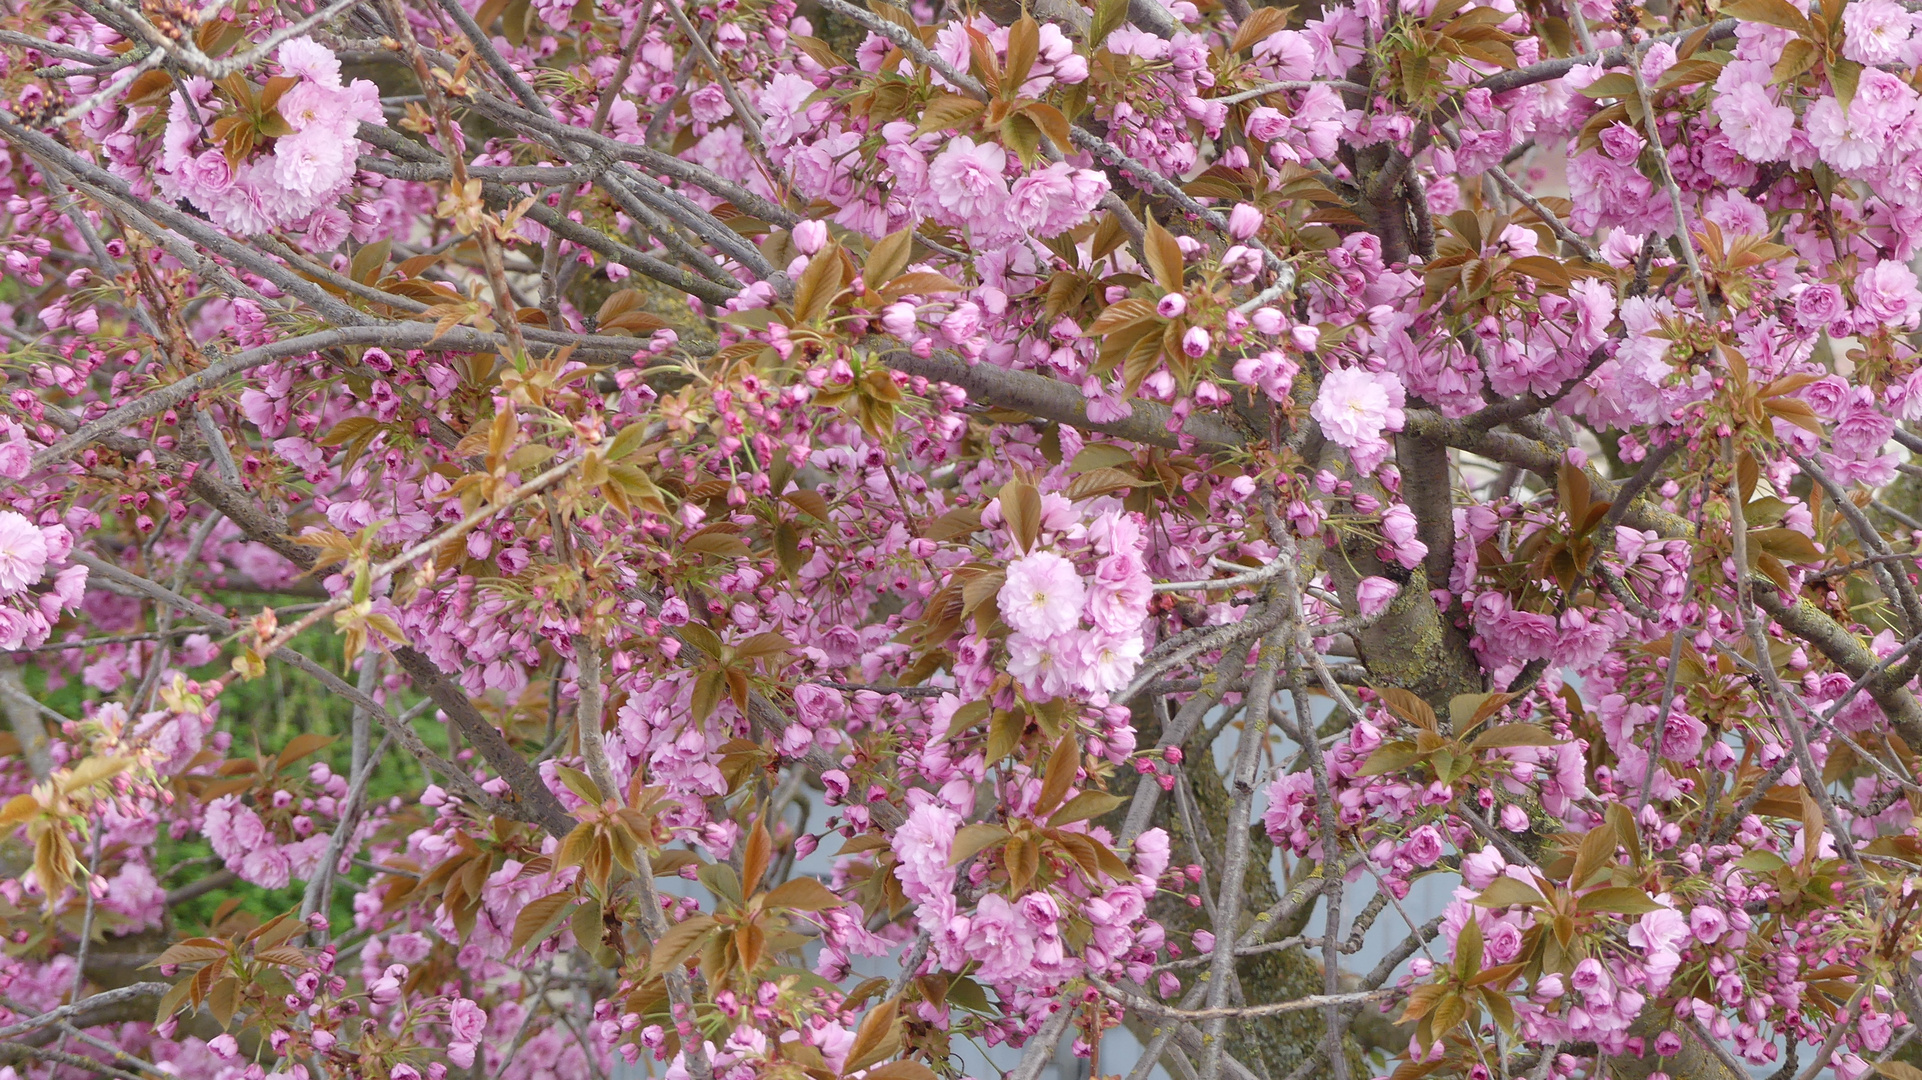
x=1171 y=306
x=898 y=319
x=1196 y=342
x=810 y=236
x=1244 y=221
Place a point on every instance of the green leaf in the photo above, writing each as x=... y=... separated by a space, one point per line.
x=708 y=689
x=679 y=943
x=1510 y=735
x=942 y=113
x=886 y=259
x=1088 y=804
x=1164 y=257
x=1843 y=75
x=1615 y=84
x=968 y=994
x=1768 y=12
x=1595 y=856
x=1022 y=135
x=721 y=880
x=1620 y=900
x=1004 y=733
x=582 y=785
x=538 y=919
x=1390 y=757
x=803 y=894
x=301 y=745
x=1468 y=950
x=1504 y=891
x=368 y=262
x=1466 y=711
x=1021 y=510
x=701 y=638
x=1787 y=545
x=972 y=838
x=1108 y=17
x=1501 y=1008
x=1409 y=706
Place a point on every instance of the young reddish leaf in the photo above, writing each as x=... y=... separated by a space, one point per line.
x=803 y=894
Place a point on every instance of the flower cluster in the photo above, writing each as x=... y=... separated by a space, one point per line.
x=1075 y=635
x=283 y=168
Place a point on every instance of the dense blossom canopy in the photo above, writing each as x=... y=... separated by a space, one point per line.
x=548 y=537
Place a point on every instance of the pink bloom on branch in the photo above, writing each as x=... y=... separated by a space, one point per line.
x=1843 y=137
x=997 y=938
x=1754 y=124
x=966 y=181
x=23 y=553
x=305 y=58
x=784 y=104
x=1050 y=201
x=1423 y=846
x=709 y=104
x=922 y=846
x=1861 y=427
x=1373 y=594
x=1356 y=406
x=1887 y=298
x=467 y=1020
x=1042 y=596
x=1707 y=924
x=1876 y=31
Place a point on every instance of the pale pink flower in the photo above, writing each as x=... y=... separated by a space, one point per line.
x=306 y=58
x=709 y=104
x=921 y=848
x=1707 y=924
x=1244 y=221
x=1861 y=427
x=784 y=104
x=997 y=938
x=313 y=162
x=467 y=1019
x=1042 y=202
x=1107 y=663
x=23 y=553
x=1483 y=867
x=1042 y=595
x=1753 y=124
x=1040 y=665
x=1423 y=846
x=1841 y=137
x=308 y=105
x=966 y=181
x=1887 y=296
x=1373 y=594
x=1355 y=406
x=1876 y=31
